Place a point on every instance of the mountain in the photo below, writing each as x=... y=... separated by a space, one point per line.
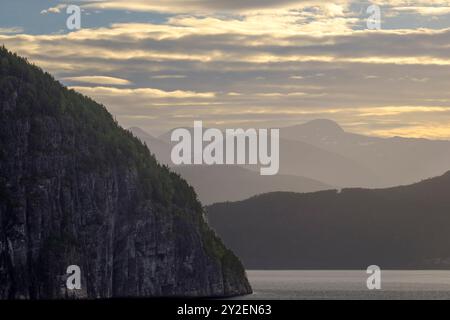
x=394 y=161
x=219 y=183
x=77 y=189
x=321 y=150
x=232 y=183
x=160 y=149
x=316 y=131
x=304 y=160
x=406 y=227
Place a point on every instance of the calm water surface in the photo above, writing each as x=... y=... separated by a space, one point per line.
x=348 y=285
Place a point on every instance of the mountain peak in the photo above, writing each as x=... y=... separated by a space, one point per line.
x=139 y=132
x=323 y=125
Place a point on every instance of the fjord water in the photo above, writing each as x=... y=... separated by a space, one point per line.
x=348 y=284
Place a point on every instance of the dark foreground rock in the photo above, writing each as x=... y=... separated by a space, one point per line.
x=405 y=227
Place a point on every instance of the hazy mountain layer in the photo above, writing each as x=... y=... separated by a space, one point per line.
x=393 y=161
x=230 y=183
x=233 y=183
x=321 y=150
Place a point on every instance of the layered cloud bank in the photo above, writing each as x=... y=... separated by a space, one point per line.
x=163 y=64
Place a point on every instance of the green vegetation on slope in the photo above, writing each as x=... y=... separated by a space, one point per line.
x=110 y=144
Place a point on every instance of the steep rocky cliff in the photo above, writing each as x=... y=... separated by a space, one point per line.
x=77 y=189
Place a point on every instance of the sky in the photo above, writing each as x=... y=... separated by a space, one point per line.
x=247 y=63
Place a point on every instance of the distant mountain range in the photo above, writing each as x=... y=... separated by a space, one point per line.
x=159 y=148
x=317 y=155
x=390 y=161
x=233 y=183
x=406 y=227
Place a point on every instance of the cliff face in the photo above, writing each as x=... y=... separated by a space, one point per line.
x=405 y=227
x=76 y=189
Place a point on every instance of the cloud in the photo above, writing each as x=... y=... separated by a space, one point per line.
x=145 y=93
x=55 y=9
x=98 y=80
x=198 y=6
x=11 y=30
x=169 y=76
x=425 y=10
x=398 y=110
x=435 y=131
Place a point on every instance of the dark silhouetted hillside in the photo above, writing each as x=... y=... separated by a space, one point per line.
x=400 y=227
x=77 y=189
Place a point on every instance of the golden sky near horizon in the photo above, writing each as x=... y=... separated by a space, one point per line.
x=255 y=63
